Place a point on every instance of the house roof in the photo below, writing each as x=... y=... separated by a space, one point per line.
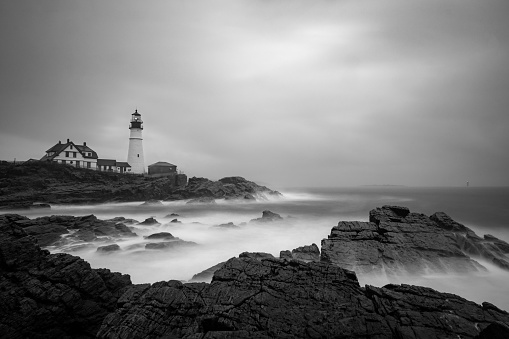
x=106 y=162
x=60 y=147
x=123 y=164
x=162 y=164
x=85 y=149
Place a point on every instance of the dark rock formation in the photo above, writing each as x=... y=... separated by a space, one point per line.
x=108 y=248
x=273 y=298
x=172 y=215
x=304 y=253
x=45 y=183
x=176 y=221
x=149 y=221
x=22 y=185
x=397 y=241
x=268 y=216
x=161 y=235
x=489 y=248
x=47 y=295
x=206 y=275
x=49 y=230
x=169 y=245
x=226 y=188
x=228 y=225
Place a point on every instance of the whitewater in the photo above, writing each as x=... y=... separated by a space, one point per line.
x=308 y=216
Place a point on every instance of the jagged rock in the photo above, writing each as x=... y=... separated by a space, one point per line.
x=206 y=275
x=149 y=221
x=172 y=215
x=229 y=225
x=304 y=253
x=48 y=230
x=396 y=241
x=50 y=295
x=176 y=221
x=286 y=254
x=161 y=235
x=169 y=245
x=108 y=248
x=123 y=220
x=496 y=330
x=226 y=188
x=273 y=298
x=268 y=216
x=256 y=255
x=46 y=183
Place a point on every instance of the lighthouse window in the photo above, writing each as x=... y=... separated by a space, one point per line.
x=138 y=155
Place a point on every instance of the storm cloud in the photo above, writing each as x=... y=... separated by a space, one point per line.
x=287 y=93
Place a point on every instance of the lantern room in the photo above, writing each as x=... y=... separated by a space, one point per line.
x=136 y=121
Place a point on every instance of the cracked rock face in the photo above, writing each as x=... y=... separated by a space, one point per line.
x=47 y=295
x=274 y=298
x=396 y=241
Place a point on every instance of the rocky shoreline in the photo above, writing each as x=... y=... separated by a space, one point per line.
x=305 y=293
x=39 y=184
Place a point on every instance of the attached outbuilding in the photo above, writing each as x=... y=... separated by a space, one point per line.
x=162 y=168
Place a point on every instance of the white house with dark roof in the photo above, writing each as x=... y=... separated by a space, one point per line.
x=83 y=156
x=71 y=154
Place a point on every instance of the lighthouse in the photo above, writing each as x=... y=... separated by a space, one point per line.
x=135 y=153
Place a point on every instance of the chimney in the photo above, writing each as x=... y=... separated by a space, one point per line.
x=67 y=140
x=59 y=142
x=84 y=143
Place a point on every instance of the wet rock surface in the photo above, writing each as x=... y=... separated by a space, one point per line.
x=304 y=253
x=38 y=184
x=253 y=296
x=51 y=183
x=273 y=298
x=267 y=216
x=47 y=295
x=49 y=230
x=396 y=241
x=226 y=188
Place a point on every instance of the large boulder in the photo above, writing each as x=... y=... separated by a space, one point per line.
x=305 y=253
x=50 y=295
x=396 y=241
x=267 y=216
x=273 y=298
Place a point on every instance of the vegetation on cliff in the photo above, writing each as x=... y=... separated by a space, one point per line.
x=43 y=182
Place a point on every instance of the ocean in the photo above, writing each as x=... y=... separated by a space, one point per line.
x=309 y=214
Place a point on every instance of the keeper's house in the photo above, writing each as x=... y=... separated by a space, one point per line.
x=72 y=154
x=83 y=156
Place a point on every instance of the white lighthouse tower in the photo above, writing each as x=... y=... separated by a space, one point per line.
x=135 y=153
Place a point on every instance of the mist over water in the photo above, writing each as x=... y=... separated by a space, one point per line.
x=309 y=215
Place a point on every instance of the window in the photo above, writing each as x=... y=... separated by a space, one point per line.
x=67 y=154
x=63 y=161
x=74 y=154
x=88 y=164
x=138 y=155
x=77 y=164
x=70 y=146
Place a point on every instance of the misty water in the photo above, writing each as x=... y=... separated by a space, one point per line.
x=308 y=214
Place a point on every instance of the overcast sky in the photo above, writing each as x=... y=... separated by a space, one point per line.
x=282 y=92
